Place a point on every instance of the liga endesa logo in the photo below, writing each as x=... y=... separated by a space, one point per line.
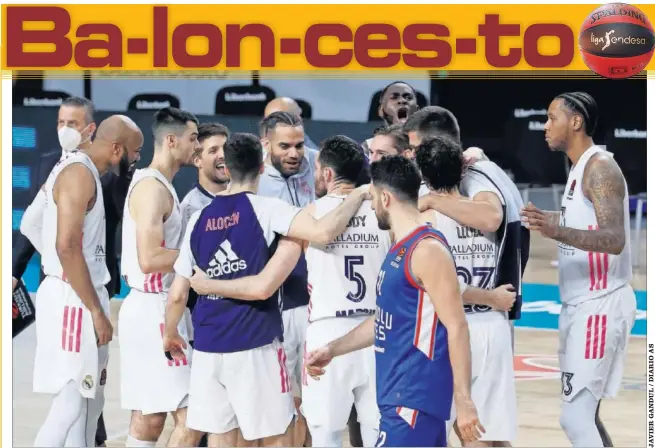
x=164 y=42
x=617 y=40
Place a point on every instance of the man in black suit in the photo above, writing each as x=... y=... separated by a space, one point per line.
x=75 y=127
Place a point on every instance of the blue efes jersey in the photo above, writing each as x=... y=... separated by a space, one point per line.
x=234 y=237
x=412 y=363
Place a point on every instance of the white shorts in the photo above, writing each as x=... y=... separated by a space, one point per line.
x=295 y=329
x=593 y=337
x=150 y=382
x=348 y=380
x=493 y=390
x=249 y=390
x=66 y=343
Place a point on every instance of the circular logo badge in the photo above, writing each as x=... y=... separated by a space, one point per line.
x=87 y=382
x=617 y=40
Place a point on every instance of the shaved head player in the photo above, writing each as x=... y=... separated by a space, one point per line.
x=592 y=230
x=72 y=324
x=151 y=385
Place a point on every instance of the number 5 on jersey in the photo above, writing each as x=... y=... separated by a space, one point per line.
x=351 y=262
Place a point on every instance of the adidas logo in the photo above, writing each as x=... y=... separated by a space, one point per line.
x=225 y=261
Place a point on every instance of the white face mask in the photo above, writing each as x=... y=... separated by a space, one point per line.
x=70 y=139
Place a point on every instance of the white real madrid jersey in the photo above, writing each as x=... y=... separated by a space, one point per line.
x=156 y=282
x=93 y=231
x=476 y=256
x=343 y=273
x=588 y=275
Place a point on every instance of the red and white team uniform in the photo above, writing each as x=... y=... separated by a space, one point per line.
x=598 y=303
x=67 y=348
x=150 y=382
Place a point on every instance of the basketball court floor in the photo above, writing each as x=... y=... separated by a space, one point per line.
x=536 y=366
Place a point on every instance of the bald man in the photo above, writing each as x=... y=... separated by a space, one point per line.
x=286 y=104
x=72 y=324
x=75 y=126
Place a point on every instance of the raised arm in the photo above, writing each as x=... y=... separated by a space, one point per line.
x=321 y=231
x=434 y=268
x=484 y=211
x=150 y=203
x=74 y=191
x=254 y=287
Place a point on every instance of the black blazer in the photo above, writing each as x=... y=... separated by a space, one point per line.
x=114 y=191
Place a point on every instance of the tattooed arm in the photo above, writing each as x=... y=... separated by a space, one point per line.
x=604 y=186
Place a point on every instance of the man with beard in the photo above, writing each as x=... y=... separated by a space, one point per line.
x=342 y=276
x=152 y=385
x=75 y=128
x=72 y=316
x=397 y=102
x=209 y=158
x=592 y=230
x=422 y=350
x=245 y=244
x=285 y=104
x=289 y=175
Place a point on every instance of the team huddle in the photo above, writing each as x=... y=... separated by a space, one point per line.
x=296 y=293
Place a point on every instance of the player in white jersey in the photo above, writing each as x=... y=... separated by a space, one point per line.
x=341 y=282
x=72 y=324
x=485 y=305
x=592 y=229
x=493 y=205
x=151 y=384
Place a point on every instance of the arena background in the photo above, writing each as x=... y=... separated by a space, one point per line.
x=505 y=117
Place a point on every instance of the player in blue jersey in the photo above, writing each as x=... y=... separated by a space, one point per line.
x=423 y=354
x=238 y=373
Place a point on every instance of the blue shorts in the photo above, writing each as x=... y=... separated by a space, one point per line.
x=405 y=427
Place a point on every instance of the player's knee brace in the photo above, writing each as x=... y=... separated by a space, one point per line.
x=578 y=420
